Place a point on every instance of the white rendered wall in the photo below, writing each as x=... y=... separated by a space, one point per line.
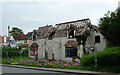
x=91 y=40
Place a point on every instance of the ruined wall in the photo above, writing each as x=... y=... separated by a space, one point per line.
x=30 y=42
x=91 y=42
x=55 y=48
x=80 y=52
x=59 y=48
x=41 y=48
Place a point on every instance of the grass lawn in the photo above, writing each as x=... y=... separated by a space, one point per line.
x=12 y=60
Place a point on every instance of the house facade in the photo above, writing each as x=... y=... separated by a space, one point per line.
x=3 y=41
x=65 y=41
x=15 y=40
x=0 y=40
x=21 y=40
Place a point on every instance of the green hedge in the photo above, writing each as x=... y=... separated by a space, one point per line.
x=108 y=57
x=13 y=52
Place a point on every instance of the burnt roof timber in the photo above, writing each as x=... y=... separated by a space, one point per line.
x=73 y=21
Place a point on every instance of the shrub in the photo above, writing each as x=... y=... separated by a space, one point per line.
x=25 y=52
x=108 y=57
x=13 y=52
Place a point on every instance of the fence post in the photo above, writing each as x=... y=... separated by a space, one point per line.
x=95 y=58
x=21 y=56
x=7 y=56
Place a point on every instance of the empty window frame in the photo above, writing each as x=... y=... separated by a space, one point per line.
x=71 y=34
x=51 y=35
x=34 y=36
x=97 y=39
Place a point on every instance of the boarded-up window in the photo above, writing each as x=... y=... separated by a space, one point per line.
x=70 y=52
x=97 y=39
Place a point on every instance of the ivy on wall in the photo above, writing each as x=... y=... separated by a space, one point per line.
x=82 y=39
x=46 y=55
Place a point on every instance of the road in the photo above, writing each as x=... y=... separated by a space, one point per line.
x=21 y=71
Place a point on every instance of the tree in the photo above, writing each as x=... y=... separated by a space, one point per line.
x=110 y=27
x=15 y=31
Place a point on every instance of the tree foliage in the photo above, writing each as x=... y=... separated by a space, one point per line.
x=110 y=27
x=15 y=31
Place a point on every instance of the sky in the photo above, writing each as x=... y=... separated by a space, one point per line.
x=32 y=14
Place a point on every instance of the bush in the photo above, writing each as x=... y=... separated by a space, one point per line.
x=13 y=52
x=108 y=57
x=25 y=52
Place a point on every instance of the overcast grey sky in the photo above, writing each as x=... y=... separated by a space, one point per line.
x=29 y=15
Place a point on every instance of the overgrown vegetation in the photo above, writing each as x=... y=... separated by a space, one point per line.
x=46 y=55
x=108 y=57
x=83 y=37
x=110 y=27
x=108 y=60
x=13 y=52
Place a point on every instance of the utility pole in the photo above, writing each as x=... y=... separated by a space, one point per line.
x=93 y=49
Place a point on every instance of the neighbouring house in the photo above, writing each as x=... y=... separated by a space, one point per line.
x=24 y=41
x=0 y=40
x=15 y=41
x=21 y=39
x=7 y=41
x=12 y=42
x=66 y=41
x=4 y=40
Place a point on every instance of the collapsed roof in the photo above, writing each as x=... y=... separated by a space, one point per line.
x=61 y=29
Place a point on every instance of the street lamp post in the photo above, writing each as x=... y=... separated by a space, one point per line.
x=95 y=58
x=93 y=49
x=7 y=56
x=21 y=55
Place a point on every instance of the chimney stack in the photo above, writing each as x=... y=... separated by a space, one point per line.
x=21 y=34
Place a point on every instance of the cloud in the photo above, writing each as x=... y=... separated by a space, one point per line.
x=33 y=14
x=0 y=19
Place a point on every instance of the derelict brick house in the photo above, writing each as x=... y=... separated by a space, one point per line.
x=65 y=41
